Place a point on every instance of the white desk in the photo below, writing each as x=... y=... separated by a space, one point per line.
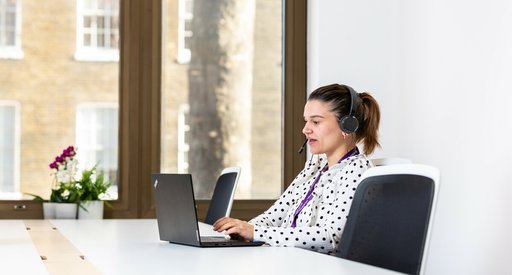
x=18 y=255
x=133 y=247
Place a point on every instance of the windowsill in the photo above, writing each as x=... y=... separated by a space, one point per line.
x=11 y=195
x=183 y=57
x=11 y=53
x=97 y=55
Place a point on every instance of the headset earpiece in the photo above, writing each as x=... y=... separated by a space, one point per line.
x=349 y=123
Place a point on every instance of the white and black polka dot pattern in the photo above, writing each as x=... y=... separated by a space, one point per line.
x=320 y=224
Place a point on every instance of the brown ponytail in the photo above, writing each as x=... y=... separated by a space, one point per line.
x=369 y=118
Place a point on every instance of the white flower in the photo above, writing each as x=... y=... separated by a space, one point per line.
x=62 y=177
x=71 y=165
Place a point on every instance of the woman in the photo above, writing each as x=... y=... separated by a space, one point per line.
x=312 y=211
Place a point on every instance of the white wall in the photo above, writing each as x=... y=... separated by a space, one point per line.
x=442 y=73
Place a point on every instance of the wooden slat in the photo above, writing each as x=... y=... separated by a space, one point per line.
x=57 y=253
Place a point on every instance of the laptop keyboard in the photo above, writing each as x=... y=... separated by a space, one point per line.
x=215 y=240
x=209 y=241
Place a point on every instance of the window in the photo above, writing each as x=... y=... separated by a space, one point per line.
x=9 y=146
x=185 y=16
x=97 y=30
x=49 y=85
x=10 y=29
x=97 y=139
x=224 y=108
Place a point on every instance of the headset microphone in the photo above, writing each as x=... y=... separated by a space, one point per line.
x=303 y=146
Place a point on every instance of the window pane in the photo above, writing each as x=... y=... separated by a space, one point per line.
x=102 y=4
x=188 y=25
x=223 y=108
x=10 y=37
x=186 y=42
x=50 y=99
x=114 y=22
x=188 y=6
x=96 y=128
x=10 y=19
x=114 y=40
x=100 y=22
x=87 y=39
x=8 y=28
x=88 y=4
x=87 y=21
x=100 y=40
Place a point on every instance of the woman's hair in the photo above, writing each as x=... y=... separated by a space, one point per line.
x=366 y=110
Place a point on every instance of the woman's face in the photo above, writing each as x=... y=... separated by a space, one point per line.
x=321 y=128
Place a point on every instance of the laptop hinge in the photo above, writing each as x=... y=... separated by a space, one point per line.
x=197 y=236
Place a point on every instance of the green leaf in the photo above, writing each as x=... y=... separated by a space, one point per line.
x=37 y=197
x=93 y=184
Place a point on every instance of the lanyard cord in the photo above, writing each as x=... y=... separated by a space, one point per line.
x=309 y=195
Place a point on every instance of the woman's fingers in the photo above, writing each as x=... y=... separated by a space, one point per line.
x=234 y=227
x=220 y=222
x=226 y=224
x=242 y=229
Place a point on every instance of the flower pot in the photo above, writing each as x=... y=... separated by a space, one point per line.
x=93 y=210
x=65 y=210
x=49 y=210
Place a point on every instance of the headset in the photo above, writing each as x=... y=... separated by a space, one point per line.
x=349 y=123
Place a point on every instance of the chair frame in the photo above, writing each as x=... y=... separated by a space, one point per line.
x=233 y=169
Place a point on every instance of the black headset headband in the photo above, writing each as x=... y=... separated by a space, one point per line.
x=353 y=103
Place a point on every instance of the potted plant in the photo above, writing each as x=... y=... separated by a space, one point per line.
x=68 y=192
x=93 y=188
x=62 y=203
x=65 y=194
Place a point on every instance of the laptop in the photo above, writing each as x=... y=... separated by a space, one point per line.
x=177 y=216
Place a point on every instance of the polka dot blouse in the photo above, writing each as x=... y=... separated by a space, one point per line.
x=320 y=223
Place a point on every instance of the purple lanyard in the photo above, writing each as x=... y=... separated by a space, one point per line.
x=309 y=195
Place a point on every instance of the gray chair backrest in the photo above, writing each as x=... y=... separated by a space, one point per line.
x=388 y=222
x=223 y=194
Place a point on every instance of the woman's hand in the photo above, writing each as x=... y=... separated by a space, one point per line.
x=235 y=228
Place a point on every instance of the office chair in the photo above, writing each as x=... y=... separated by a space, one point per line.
x=390 y=161
x=222 y=198
x=391 y=217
